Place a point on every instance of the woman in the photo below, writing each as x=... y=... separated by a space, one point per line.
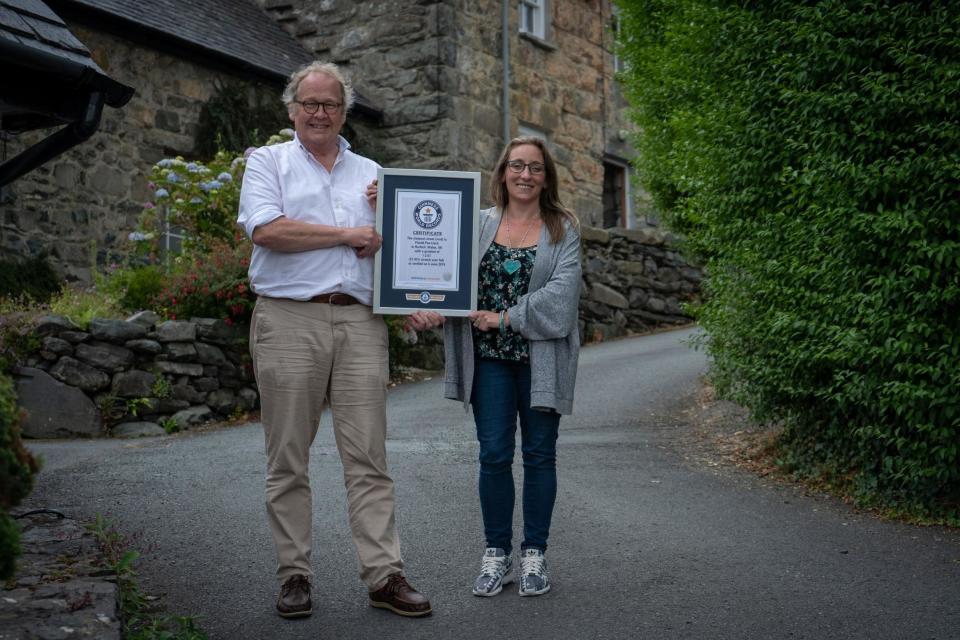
x=517 y=357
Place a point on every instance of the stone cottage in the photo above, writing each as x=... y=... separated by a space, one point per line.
x=455 y=78
x=90 y=197
x=443 y=83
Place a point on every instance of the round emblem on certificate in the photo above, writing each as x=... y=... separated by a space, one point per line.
x=425 y=297
x=427 y=214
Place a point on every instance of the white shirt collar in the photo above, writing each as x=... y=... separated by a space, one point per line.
x=342 y=144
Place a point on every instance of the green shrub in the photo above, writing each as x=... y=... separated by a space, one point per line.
x=17 y=338
x=135 y=288
x=17 y=469
x=809 y=150
x=33 y=278
x=209 y=285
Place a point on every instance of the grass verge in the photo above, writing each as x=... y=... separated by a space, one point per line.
x=139 y=615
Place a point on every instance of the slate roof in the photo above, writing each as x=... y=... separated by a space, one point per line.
x=43 y=65
x=236 y=29
x=31 y=23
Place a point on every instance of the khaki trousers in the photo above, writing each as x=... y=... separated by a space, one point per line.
x=304 y=353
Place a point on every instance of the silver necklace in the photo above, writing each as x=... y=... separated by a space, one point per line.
x=511 y=264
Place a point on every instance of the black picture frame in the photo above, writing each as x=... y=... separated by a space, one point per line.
x=408 y=267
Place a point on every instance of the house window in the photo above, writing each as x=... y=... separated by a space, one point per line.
x=617 y=208
x=617 y=29
x=533 y=19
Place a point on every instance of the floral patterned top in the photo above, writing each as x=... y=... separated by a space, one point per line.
x=500 y=289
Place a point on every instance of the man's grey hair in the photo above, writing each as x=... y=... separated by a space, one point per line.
x=332 y=70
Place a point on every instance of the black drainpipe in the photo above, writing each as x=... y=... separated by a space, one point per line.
x=52 y=146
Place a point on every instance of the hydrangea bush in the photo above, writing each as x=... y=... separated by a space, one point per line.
x=197 y=201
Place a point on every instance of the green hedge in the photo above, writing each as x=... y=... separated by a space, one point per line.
x=811 y=153
x=17 y=468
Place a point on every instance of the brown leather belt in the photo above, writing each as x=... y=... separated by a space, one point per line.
x=339 y=299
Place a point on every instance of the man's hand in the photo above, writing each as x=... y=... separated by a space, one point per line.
x=364 y=240
x=423 y=320
x=371 y=195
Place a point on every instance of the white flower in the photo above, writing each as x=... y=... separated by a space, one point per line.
x=137 y=236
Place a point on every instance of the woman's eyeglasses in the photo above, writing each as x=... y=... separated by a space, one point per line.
x=517 y=166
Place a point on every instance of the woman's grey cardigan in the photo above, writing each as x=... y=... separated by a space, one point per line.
x=546 y=316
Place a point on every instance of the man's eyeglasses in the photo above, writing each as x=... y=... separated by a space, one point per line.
x=517 y=166
x=312 y=106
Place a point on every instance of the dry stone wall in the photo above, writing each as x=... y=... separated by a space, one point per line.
x=633 y=280
x=133 y=377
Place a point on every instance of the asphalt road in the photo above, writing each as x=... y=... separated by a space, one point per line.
x=645 y=543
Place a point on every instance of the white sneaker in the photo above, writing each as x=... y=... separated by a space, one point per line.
x=534 y=580
x=496 y=570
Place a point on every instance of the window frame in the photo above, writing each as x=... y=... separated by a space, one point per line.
x=540 y=11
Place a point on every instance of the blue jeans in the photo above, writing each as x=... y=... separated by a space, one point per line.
x=501 y=392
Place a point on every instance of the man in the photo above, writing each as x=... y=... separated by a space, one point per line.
x=306 y=204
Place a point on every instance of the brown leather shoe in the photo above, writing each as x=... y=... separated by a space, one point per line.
x=294 y=600
x=398 y=596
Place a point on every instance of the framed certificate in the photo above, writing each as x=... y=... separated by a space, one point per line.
x=429 y=223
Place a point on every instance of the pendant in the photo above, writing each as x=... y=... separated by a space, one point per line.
x=511 y=266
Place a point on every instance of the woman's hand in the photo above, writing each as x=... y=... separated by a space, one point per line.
x=486 y=320
x=423 y=320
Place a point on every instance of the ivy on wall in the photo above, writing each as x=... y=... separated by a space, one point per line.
x=237 y=116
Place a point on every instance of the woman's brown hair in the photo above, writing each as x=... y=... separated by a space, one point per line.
x=551 y=209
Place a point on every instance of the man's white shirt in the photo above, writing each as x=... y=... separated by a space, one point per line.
x=286 y=180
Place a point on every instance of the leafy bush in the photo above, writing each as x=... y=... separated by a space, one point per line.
x=210 y=285
x=17 y=337
x=135 y=288
x=33 y=278
x=809 y=152
x=199 y=200
x=17 y=469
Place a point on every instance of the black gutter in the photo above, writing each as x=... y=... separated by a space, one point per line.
x=53 y=145
x=75 y=78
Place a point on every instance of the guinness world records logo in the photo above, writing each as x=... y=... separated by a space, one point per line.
x=427 y=214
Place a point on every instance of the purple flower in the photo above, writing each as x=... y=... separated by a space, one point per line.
x=225 y=177
x=173 y=177
x=162 y=193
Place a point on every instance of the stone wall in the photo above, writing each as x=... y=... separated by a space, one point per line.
x=633 y=280
x=435 y=68
x=129 y=377
x=91 y=195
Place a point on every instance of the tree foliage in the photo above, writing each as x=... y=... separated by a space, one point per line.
x=810 y=151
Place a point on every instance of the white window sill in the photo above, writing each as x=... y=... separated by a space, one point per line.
x=537 y=40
